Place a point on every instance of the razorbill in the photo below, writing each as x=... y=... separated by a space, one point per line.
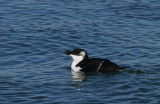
x=81 y=62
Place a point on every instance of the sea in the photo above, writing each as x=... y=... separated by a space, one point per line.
x=34 y=34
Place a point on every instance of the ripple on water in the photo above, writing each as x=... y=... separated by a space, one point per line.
x=34 y=35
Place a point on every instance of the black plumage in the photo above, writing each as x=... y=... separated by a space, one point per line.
x=94 y=64
x=98 y=65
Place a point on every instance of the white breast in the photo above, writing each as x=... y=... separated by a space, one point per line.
x=73 y=66
x=76 y=60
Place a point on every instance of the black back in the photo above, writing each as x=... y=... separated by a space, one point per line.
x=99 y=65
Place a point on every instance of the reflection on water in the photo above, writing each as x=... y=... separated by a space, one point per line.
x=78 y=76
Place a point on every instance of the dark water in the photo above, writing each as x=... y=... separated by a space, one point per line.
x=35 y=33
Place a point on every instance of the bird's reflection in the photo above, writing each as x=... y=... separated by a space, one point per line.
x=78 y=76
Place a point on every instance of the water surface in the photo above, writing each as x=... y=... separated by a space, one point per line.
x=35 y=33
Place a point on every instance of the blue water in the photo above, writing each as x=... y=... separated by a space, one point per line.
x=35 y=33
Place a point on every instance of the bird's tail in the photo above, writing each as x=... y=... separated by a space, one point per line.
x=124 y=67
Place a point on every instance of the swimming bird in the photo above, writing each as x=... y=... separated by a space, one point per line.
x=81 y=62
